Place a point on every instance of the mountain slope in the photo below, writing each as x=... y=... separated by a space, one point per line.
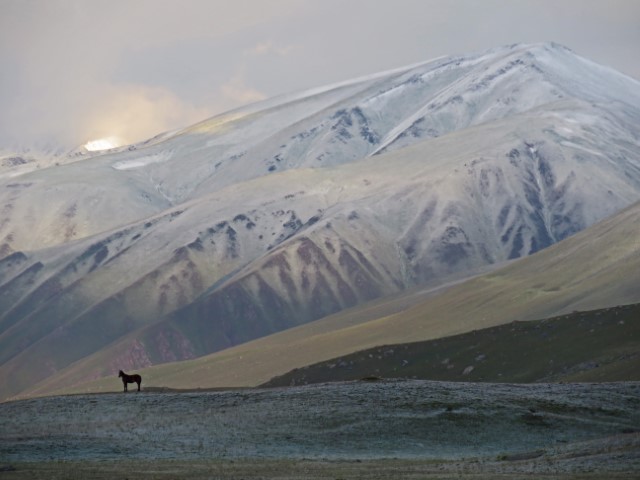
x=596 y=268
x=286 y=211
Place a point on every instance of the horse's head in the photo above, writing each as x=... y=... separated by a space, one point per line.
x=121 y=374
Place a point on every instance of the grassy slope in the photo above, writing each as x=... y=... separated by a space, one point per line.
x=599 y=345
x=599 y=267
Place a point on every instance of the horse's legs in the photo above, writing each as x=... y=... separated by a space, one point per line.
x=138 y=385
x=125 y=386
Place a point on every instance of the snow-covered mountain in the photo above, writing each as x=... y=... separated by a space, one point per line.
x=299 y=206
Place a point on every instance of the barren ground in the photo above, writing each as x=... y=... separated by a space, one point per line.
x=384 y=429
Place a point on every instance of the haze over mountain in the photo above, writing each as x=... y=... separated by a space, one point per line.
x=297 y=207
x=597 y=267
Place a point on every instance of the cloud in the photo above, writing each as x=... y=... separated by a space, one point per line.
x=68 y=66
x=269 y=47
x=135 y=112
x=67 y=62
x=236 y=92
x=82 y=111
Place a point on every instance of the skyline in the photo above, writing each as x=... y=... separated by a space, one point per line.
x=76 y=72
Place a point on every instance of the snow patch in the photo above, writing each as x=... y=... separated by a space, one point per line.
x=142 y=161
x=580 y=147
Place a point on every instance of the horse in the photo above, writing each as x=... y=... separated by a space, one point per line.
x=130 y=379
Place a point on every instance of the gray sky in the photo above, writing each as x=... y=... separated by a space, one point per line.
x=78 y=70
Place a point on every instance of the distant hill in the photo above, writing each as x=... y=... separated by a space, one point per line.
x=594 y=346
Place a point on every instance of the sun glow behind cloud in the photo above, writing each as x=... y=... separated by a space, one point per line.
x=259 y=48
x=102 y=144
x=120 y=115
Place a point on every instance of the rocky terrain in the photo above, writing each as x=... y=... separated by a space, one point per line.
x=389 y=429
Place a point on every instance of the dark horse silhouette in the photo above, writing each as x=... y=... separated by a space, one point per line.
x=130 y=379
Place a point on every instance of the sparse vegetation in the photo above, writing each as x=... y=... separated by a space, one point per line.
x=599 y=345
x=375 y=430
